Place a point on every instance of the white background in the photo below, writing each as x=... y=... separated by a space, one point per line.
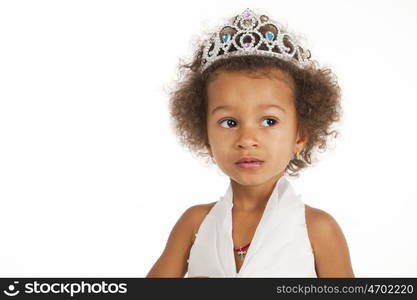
x=92 y=177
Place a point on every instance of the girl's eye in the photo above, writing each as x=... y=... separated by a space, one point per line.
x=270 y=119
x=230 y=122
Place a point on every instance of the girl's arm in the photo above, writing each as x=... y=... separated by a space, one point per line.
x=173 y=260
x=329 y=245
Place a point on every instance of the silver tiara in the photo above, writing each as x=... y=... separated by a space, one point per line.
x=250 y=34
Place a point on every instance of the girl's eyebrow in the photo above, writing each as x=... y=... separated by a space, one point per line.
x=260 y=106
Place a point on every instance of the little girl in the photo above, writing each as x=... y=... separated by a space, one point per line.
x=255 y=103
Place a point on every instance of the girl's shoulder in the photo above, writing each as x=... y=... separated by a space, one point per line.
x=319 y=224
x=198 y=212
x=317 y=217
x=328 y=243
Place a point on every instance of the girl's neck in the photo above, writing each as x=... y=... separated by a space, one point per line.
x=253 y=197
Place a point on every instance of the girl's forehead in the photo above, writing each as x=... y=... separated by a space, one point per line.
x=250 y=88
x=265 y=73
x=229 y=79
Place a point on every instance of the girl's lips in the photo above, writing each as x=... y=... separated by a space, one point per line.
x=250 y=165
x=248 y=158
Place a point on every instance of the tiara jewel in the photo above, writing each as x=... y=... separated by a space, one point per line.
x=251 y=34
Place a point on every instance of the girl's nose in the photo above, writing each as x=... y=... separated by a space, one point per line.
x=247 y=138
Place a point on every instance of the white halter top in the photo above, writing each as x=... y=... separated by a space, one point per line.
x=280 y=246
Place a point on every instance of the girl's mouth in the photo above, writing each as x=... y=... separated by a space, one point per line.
x=250 y=165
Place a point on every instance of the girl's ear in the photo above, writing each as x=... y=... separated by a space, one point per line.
x=300 y=142
x=211 y=153
x=209 y=149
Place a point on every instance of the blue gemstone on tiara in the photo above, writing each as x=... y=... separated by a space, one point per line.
x=270 y=35
x=226 y=37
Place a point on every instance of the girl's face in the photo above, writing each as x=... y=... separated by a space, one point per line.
x=252 y=116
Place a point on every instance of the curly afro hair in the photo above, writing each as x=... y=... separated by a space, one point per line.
x=316 y=99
